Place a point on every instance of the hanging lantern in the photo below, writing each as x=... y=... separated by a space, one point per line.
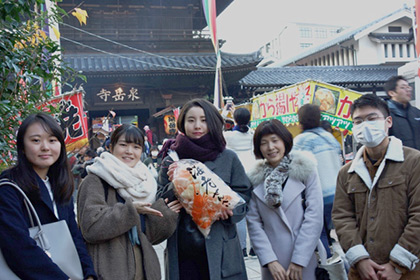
x=169 y=122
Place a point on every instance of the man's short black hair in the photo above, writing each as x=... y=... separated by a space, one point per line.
x=370 y=100
x=391 y=84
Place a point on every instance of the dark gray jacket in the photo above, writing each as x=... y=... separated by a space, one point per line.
x=224 y=254
x=406 y=124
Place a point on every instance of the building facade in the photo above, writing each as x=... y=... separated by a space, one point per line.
x=385 y=41
x=141 y=57
x=296 y=37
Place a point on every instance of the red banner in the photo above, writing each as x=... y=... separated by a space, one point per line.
x=417 y=31
x=72 y=119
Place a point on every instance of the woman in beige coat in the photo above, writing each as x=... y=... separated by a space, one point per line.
x=117 y=212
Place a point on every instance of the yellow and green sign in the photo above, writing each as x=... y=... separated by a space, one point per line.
x=283 y=104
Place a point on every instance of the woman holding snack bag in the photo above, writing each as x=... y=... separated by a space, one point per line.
x=212 y=186
x=286 y=209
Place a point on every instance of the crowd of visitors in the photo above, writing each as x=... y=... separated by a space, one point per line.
x=292 y=192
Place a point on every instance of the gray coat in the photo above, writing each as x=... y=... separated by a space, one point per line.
x=105 y=223
x=288 y=233
x=224 y=253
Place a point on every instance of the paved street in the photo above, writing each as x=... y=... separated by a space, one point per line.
x=252 y=264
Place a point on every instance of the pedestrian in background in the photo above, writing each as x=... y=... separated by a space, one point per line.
x=189 y=254
x=240 y=141
x=153 y=162
x=285 y=212
x=327 y=151
x=376 y=210
x=405 y=118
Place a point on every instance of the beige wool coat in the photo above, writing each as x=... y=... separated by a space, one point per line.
x=105 y=223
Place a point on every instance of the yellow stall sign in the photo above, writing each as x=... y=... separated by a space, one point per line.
x=283 y=104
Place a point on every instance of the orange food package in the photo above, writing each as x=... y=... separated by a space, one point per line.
x=202 y=193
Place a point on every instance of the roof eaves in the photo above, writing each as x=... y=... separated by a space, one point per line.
x=346 y=36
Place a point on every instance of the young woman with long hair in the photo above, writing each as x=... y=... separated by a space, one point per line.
x=43 y=173
x=189 y=254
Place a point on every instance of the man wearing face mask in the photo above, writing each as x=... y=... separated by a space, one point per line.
x=153 y=162
x=376 y=209
x=406 y=118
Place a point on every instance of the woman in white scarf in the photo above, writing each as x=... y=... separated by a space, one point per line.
x=116 y=210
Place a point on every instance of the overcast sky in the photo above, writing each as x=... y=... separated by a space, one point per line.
x=248 y=24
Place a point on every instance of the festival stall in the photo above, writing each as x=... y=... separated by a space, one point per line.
x=283 y=104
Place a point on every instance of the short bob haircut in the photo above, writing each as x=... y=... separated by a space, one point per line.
x=213 y=119
x=309 y=116
x=132 y=135
x=370 y=100
x=59 y=173
x=273 y=126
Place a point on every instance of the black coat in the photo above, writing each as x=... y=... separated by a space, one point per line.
x=405 y=124
x=24 y=257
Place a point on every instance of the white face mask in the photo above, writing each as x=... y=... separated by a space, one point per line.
x=154 y=153
x=370 y=133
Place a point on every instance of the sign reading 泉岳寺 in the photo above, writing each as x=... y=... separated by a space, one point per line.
x=283 y=104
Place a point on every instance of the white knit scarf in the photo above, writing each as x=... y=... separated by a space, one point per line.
x=135 y=184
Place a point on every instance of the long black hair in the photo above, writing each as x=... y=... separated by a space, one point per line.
x=59 y=173
x=214 y=120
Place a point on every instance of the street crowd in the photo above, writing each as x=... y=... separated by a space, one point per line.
x=295 y=192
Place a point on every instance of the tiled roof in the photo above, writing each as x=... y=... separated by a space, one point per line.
x=341 y=38
x=91 y=64
x=339 y=75
x=390 y=36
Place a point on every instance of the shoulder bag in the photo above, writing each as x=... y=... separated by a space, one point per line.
x=328 y=268
x=54 y=239
x=331 y=268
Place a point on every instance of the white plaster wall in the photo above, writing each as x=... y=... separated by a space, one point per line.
x=369 y=52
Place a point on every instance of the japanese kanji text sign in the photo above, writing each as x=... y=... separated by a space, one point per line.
x=283 y=104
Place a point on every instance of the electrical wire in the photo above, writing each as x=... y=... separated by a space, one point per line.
x=134 y=59
x=132 y=48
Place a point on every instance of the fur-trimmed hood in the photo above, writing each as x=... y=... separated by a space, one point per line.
x=302 y=166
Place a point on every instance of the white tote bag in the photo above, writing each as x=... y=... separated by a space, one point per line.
x=333 y=265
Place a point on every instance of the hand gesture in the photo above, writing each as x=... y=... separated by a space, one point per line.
x=277 y=271
x=174 y=205
x=294 y=272
x=367 y=269
x=171 y=170
x=388 y=273
x=225 y=214
x=144 y=208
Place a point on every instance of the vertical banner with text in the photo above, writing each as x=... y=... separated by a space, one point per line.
x=72 y=119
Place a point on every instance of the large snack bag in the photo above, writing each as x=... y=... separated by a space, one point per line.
x=202 y=193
